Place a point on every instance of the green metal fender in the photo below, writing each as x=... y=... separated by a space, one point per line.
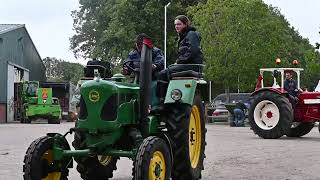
x=186 y=86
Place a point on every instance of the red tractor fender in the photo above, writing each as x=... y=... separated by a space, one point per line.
x=276 y=90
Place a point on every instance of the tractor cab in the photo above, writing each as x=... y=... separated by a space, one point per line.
x=275 y=77
x=31 y=88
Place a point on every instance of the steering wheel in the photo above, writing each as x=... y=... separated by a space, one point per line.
x=127 y=65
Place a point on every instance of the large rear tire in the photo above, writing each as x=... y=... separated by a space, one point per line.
x=39 y=163
x=187 y=133
x=96 y=167
x=270 y=115
x=300 y=129
x=153 y=160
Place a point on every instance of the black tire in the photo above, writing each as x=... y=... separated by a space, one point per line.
x=54 y=120
x=285 y=118
x=301 y=129
x=152 y=149
x=24 y=118
x=36 y=167
x=90 y=168
x=178 y=122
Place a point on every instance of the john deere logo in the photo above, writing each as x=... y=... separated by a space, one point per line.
x=94 y=96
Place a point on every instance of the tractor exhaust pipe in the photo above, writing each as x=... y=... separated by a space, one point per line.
x=145 y=84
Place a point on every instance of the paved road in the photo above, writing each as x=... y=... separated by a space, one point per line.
x=232 y=153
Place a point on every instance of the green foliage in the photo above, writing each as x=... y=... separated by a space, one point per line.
x=241 y=36
x=58 y=70
x=106 y=28
x=238 y=36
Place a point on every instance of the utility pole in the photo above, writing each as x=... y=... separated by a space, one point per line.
x=165 y=34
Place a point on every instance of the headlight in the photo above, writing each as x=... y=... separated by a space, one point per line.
x=176 y=94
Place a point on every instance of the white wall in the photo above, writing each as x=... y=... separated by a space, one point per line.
x=10 y=93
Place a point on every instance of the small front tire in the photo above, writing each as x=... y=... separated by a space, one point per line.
x=153 y=160
x=300 y=129
x=39 y=163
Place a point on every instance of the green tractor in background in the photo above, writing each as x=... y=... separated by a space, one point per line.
x=118 y=119
x=36 y=102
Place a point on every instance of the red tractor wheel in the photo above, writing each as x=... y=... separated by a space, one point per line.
x=270 y=115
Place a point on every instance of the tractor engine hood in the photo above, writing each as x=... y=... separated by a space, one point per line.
x=107 y=105
x=310 y=97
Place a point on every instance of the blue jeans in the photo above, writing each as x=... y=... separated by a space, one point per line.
x=238 y=117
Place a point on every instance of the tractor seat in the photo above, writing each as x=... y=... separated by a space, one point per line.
x=89 y=70
x=187 y=75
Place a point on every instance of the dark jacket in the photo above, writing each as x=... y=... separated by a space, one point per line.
x=157 y=59
x=290 y=85
x=241 y=106
x=189 y=50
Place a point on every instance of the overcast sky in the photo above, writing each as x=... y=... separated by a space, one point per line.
x=50 y=25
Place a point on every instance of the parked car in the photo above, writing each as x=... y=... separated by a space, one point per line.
x=217 y=112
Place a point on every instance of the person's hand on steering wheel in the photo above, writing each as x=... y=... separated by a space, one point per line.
x=126 y=68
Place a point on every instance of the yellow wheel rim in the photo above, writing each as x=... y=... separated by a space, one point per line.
x=104 y=160
x=54 y=175
x=194 y=136
x=157 y=166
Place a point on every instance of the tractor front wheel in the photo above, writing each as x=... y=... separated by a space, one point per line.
x=187 y=133
x=153 y=160
x=270 y=115
x=300 y=129
x=93 y=167
x=39 y=163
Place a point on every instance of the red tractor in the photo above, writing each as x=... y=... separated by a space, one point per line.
x=274 y=112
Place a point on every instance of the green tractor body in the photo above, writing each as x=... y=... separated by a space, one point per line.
x=119 y=119
x=39 y=103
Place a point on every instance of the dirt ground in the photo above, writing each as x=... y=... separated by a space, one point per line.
x=232 y=153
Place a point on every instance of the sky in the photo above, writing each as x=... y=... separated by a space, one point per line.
x=49 y=22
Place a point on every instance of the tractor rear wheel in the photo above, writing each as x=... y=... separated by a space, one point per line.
x=153 y=160
x=39 y=163
x=270 y=115
x=187 y=133
x=300 y=129
x=96 y=167
x=55 y=119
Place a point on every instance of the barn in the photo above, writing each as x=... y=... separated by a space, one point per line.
x=19 y=61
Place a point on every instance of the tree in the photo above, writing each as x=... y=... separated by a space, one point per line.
x=106 y=28
x=241 y=36
x=58 y=70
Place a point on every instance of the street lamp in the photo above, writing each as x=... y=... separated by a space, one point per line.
x=165 y=34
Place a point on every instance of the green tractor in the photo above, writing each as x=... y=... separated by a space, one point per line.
x=118 y=119
x=37 y=102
